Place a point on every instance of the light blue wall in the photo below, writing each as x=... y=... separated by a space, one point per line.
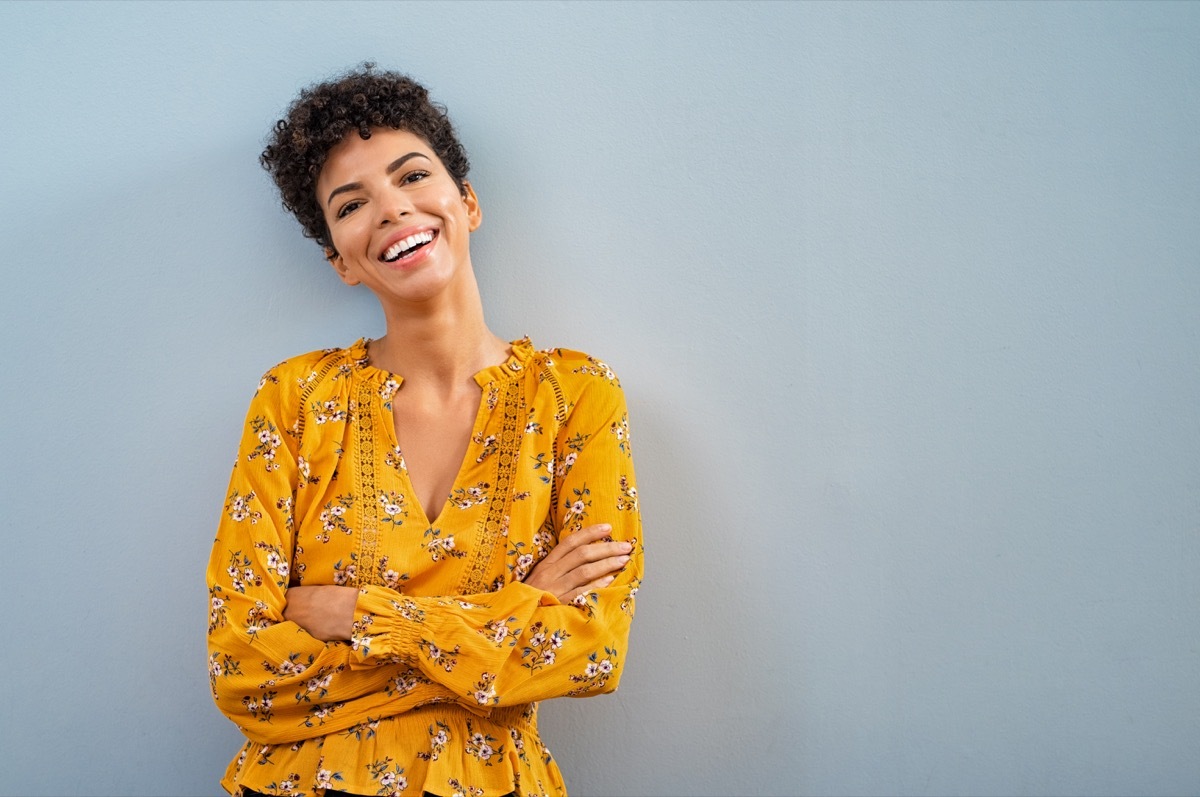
x=905 y=299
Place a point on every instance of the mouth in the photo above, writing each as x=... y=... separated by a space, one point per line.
x=408 y=246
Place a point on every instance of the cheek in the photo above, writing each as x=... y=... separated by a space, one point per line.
x=456 y=212
x=348 y=236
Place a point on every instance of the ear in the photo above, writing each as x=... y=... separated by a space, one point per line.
x=339 y=266
x=474 y=212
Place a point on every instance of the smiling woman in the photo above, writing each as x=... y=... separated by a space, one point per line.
x=426 y=533
x=402 y=226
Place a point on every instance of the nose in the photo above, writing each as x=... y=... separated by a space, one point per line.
x=393 y=207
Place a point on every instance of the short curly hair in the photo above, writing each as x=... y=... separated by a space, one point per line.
x=325 y=113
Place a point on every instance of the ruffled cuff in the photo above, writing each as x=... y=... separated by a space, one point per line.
x=387 y=628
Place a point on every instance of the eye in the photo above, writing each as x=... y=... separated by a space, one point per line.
x=414 y=176
x=348 y=208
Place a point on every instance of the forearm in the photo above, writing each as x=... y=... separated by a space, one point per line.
x=515 y=645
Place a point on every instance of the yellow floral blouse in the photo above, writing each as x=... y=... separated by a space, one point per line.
x=437 y=690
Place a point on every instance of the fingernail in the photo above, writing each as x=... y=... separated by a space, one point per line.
x=628 y=546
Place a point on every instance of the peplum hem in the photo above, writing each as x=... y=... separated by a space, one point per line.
x=440 y=749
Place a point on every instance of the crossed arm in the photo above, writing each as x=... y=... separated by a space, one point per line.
x=585 y=561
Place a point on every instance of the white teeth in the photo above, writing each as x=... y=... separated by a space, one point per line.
x=400 y=247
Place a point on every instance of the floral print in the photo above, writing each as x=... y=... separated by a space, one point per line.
x=445 y=659
x=275 y=562
x=327 y=412
x=499 y=632
x=217 y=610
x=268 y=441
x=388 y=391
x=487 y=445
x=626 y=495
x=327 y=779
x=389 y=577
x=577 y=508
x=596 y=368
x=597 y=672
x=345 y=574
x=389 y=776
x=404 y=683
x=241 y=573
x=333 y=517
x=448 y=644
x=539 y=650
x=394 y=459
x=620 y=430
x=467 y=497
x=221 y=665
x=392 y=504
x=482 y=746
x=257 y=619
x=521 y=562
x=543 y=461
x=457 y=789
x=439 y=737
x=485 y=690
x=440 y=547
x=238 y=507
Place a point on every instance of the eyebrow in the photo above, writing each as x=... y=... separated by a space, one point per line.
x=392 y=168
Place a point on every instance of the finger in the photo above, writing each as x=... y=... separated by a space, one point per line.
x=594 y=552
x=570 y=583
x=576 y=540
x=587 y=534
x=598 y=584
x=557 y=572
x=593 y=570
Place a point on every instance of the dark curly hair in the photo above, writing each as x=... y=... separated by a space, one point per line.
x=324 y=114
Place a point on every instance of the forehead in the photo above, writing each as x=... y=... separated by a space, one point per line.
x=355 y=159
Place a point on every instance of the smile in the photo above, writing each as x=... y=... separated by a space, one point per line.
x=406 y=246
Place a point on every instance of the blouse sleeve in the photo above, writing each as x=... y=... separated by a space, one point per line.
x=520 y=644
x=269 y=676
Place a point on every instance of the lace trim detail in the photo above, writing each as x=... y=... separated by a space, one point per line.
x=310 y=384
x=507 y=455
x=364 y=424
x=560 y=417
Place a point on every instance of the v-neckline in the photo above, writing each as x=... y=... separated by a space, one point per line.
x=520 y=354
x=480 y=421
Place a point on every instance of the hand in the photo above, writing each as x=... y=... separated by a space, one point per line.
x=581 y=562
x=326 y=612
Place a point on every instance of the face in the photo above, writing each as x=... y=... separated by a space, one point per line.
x=398 y=221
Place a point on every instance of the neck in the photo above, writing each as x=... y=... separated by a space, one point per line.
x=438 y=345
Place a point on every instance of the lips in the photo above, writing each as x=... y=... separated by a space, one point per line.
x=407 y=245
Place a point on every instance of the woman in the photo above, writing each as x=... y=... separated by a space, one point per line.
x=427 y=533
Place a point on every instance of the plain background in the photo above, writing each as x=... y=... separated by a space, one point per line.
x=904 y=297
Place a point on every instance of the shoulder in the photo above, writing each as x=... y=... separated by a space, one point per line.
x=296 y=373
x=285 y=386
x=576 y=366
x=587 y=382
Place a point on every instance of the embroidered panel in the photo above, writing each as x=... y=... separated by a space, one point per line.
x=508 y=448
x=366 y=422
